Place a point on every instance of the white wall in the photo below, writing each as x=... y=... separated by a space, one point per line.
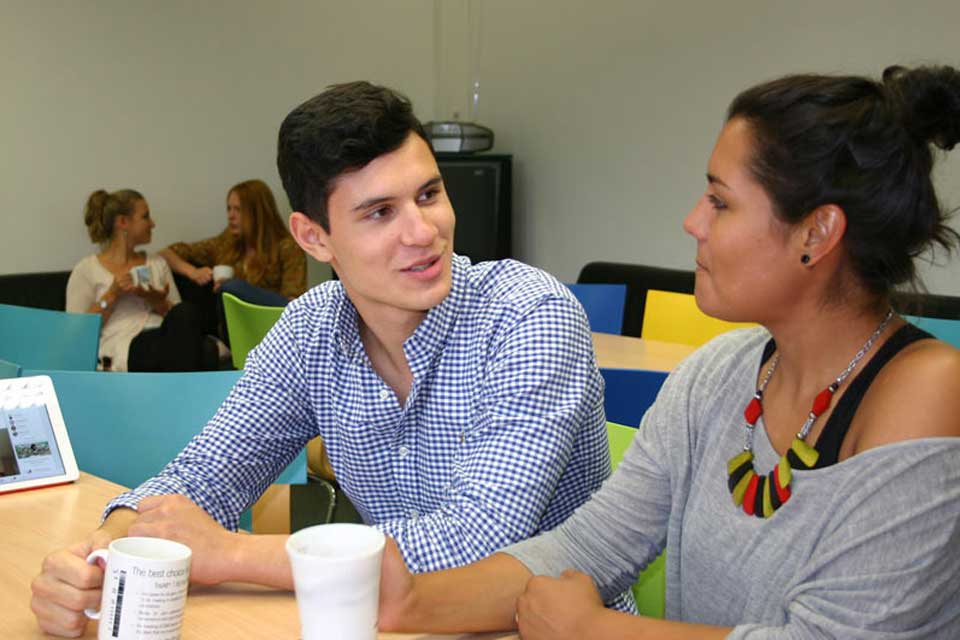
x=178 y=99
x=610 y=106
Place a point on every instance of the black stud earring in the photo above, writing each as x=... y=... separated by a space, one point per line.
x=805 y=259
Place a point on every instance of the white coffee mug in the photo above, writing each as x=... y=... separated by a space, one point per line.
x=336 y=576
x=222 y=272
x=144 y=589
x=140 y=276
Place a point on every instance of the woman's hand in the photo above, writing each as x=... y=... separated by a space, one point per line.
x=201 y=275
x=155 y=298
x=122 y=285
x=559 y=608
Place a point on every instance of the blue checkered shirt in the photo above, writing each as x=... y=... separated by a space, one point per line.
x=502 y=435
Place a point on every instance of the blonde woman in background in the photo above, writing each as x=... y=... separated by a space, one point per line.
x=144 y=327
x=269 y=268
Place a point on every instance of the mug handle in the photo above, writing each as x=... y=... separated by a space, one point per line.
x=99 y=554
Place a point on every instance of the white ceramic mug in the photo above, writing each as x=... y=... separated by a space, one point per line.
x=222 y=272
x=144 y=589
x=140 y=276
x=336 y=575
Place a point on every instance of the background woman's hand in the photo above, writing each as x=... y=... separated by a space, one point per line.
x=122 y=285
x=559 y=608
x=201 y=275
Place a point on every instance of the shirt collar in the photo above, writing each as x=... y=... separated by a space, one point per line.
x=429 y=337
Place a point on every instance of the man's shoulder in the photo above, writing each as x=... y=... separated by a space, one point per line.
x=319 y=303
x=513 y=284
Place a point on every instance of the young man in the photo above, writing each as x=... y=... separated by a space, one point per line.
x=460 y=404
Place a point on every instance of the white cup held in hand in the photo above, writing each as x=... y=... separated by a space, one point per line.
x=140 y=276
x=336 y=575
x=144 y=589
x=222 y=272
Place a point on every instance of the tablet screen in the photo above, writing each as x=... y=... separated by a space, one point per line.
x=28 y=447
x=34 y=448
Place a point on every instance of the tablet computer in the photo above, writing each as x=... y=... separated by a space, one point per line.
x=34 y=448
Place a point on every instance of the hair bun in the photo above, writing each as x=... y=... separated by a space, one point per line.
x=930 y=101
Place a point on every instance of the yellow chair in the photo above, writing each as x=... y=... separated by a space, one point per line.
x=675 y=317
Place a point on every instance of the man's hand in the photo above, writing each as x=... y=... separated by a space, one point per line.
x=396 y=588
x=559 y=608
x=176 y=517
x=67 y=585
x=201 y=275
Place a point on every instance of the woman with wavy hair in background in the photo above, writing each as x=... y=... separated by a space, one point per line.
x=144 y=325
x=269 y=268
x=804 y=475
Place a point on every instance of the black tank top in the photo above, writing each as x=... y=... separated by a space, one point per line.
x=828 y=444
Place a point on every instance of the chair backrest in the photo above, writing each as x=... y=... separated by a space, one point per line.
x=638 y=278
x=675 y=317
x=628 y=393
x=946 y=330
x=651 y=585
x=126 y=426
x=44 y=339
x=47 y=290
x=9 y=369
x=247 y=324
x=604 y=305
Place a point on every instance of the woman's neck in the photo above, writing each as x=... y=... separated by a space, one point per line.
x=118 y=252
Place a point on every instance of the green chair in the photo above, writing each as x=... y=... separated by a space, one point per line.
x=126 y=426
x=650 y=587
x=44 y=339
x=9 y=369
x=247 y=324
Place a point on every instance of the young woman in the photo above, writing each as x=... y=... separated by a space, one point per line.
x=144 y=325
x=269 y=268
x=804 y=477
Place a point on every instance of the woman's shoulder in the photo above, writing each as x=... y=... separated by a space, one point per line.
x=915 y=395
x=86 y=263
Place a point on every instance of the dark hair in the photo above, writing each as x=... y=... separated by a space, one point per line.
x=342 y=129
x=103 y=208
x=864 y=146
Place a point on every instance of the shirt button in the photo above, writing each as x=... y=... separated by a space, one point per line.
x=384 y=394
x=403 y=451
x=414 y=513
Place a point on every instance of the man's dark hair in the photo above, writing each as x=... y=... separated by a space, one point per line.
x=342 y=129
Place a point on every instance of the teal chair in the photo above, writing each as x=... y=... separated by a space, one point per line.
x=44 y=339
x=604 y=305
x=9 y=369
x=650 y=587
x=126 y=426
x=942 y=328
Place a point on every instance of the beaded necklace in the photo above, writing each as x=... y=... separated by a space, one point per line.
x=762 y=495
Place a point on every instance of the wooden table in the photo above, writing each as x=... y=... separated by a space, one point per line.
x=34 y=523
x=624 y=352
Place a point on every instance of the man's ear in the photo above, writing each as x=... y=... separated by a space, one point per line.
x=310 y=236
x=821 y=232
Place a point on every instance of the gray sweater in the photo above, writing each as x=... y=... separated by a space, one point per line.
x=867 y=548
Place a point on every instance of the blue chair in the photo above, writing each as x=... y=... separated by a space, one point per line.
x=126 y=426
x=44 y=339
x=629 y=393
x=946 y=330
x=604 y=305
x=9 y=369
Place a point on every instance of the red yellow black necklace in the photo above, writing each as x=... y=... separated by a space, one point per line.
x=762 y=495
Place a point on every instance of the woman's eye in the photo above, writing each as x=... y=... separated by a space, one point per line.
x=716 y=202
